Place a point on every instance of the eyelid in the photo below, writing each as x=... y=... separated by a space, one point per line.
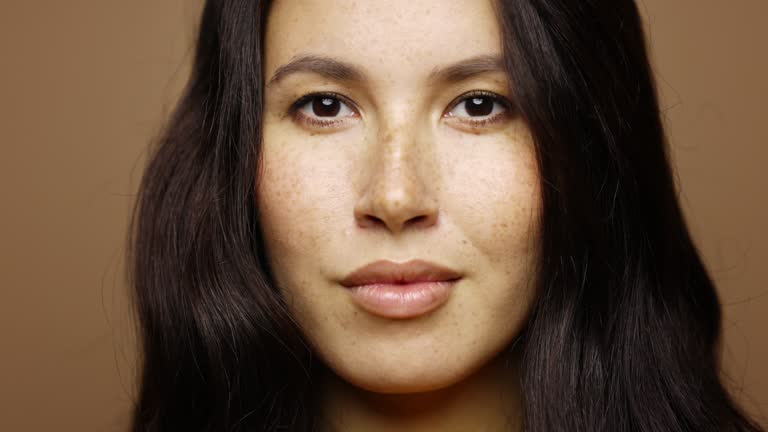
x=295 y=108
x=479 y=93
x=474 y=124
x=310 y=96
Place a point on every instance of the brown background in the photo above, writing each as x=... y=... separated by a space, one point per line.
x=85 y=84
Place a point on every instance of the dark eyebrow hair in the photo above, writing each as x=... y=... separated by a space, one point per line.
x=324 y=66
x=467 y=68
x=342 y=71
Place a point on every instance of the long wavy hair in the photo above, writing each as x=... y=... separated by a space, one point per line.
x=624 y=333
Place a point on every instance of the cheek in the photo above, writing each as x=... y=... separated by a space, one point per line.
x=287 y=215
x=497 y=198
x=301 y=197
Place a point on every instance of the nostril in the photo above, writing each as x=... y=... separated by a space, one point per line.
x=395 y=212
x=418 y=220
x=423 y=221
x=370 y=221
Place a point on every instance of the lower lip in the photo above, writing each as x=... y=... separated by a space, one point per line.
x=402 y=300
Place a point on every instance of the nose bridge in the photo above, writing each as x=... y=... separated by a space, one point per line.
x=402 y=179
x=402 y=152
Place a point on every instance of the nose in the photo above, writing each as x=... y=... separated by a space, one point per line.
x=401 y=183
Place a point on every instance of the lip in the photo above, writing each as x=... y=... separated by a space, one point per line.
x=390 y=272
x=401 y=290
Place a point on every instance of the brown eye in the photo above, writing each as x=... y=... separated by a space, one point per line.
x=326 y=107
x=480 y=109
x=478 y=106
x=323 y=106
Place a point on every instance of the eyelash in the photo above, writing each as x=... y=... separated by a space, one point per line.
x=295 y=109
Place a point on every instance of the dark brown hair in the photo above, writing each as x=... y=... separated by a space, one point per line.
x=625 y=329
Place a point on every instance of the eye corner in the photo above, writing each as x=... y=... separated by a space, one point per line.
x=321 y=124
x=478 y=124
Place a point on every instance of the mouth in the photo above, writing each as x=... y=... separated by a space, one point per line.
x=401 y=290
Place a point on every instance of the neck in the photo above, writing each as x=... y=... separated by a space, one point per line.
x=488 y=400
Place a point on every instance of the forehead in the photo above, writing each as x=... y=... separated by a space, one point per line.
x=388 y=39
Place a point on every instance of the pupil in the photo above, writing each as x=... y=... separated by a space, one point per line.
x=479 y=106
x=326 y=107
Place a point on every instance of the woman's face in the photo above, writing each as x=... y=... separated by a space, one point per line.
x=401 y=162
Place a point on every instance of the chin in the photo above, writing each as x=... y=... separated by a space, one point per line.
x=404 y=379
x=390 y=385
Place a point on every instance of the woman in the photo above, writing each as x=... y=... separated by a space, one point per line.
x=434 y=215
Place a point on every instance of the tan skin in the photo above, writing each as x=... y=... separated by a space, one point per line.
x=397 y=165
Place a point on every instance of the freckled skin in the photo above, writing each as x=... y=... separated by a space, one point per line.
x=399 y=181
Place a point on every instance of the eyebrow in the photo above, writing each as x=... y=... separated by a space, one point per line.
x=342 y=71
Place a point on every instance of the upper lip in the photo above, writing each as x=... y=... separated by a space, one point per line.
x=390 y=272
